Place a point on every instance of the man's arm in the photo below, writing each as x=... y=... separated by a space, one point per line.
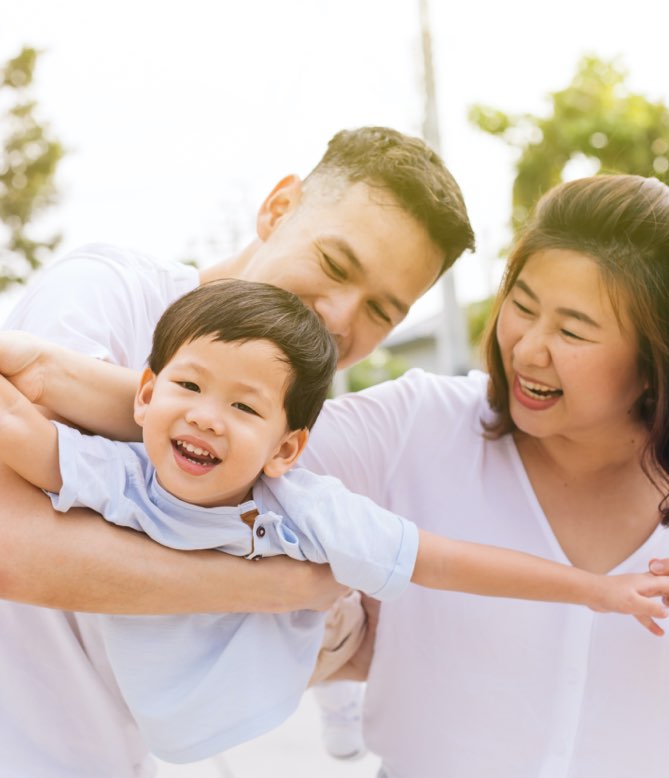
x=77 y=561
x=88 y=392
x=460 y=566
x=28 y=441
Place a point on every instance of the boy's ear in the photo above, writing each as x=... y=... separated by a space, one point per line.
x=286 y=453
x=281 y=200
x=144 y=395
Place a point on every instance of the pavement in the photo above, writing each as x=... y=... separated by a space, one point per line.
x=293 y=750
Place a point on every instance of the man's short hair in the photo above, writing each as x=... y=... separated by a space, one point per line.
x=412 y=172
x=242 y=311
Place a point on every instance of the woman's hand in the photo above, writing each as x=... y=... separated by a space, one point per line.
x=660 y=567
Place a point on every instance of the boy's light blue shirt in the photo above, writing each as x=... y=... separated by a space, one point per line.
x=200 y=683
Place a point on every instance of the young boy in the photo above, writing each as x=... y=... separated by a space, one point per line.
x=237 y=375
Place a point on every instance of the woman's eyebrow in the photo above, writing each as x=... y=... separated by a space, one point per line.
x=573 y=313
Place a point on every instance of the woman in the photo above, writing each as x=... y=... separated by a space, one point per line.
x=562 y=451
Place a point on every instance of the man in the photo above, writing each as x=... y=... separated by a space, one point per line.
x=369 y=230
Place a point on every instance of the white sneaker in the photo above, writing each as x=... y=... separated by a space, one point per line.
x=341 y=718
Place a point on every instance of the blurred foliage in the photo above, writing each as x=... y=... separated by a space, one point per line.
x=595 y=117
x=28 y=159
x=477 y=314
x=379 y=366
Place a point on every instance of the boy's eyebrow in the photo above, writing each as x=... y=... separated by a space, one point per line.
x=345 y=248
x=573 y=313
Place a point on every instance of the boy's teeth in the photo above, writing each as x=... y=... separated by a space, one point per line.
x=194 y=449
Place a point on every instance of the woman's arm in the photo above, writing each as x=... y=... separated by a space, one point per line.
x=87 y=392
x=77 y=561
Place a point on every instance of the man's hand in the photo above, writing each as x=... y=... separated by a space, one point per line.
x=21 y=362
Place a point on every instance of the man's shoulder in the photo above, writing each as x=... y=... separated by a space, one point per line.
x=128 y=262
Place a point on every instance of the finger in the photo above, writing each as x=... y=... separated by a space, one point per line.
x=659 y=566
x=650 y=625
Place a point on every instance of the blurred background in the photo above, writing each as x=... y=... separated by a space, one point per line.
x=162 y=125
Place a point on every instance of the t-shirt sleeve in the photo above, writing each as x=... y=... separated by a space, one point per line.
x=360 y=437
x=96 y=475
x=367 y=547
x=81 y=301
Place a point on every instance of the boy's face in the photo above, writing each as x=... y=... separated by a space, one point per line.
x=353 y=255
x=213 y=420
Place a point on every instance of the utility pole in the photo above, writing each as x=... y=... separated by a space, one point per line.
x=452 y=341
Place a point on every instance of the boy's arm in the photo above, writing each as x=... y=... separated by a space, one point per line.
x=88 y=392
x=28 y=441
x=461 y=566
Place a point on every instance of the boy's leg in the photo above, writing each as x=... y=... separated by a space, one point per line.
x=345 y=629
x=341 y=701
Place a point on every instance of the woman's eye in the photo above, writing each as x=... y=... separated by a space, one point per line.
x=570 y=334
x=333 y=269
x=521 y=307
x=189 y=386
x=245 y=408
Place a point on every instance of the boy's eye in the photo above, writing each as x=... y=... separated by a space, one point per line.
x=245 y=408
x=189 y=386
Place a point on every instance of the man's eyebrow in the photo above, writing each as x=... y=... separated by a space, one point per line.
x=344 y=247
x=573 y=313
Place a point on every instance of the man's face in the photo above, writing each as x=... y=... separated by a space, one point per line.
x=356 y=258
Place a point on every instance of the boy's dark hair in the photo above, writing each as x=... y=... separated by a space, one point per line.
x=412 y=172
x=240 y=311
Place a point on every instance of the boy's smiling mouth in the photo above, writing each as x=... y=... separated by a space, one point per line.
x=192 y=458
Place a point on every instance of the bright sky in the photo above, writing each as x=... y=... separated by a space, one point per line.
x=177 y=114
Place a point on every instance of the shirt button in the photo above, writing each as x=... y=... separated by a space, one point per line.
x=260 y=532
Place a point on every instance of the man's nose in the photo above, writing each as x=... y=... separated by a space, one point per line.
x=339 y=312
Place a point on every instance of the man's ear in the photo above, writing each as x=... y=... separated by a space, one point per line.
x=144 y=395
x=280 y=201
x=286 y=453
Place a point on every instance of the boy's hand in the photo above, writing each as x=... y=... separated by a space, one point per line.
x=634 y=594
x=20 y=362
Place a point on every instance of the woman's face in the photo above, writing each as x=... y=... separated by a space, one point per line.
x=572 y=369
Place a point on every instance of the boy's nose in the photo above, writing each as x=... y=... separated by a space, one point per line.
x=207 y=419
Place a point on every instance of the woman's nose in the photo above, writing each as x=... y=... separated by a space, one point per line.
x=531 y=349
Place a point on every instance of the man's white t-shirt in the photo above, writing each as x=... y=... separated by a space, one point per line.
x=61 y=713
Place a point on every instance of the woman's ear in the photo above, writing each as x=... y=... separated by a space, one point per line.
x=286 y=453
x=144 y=395
x=283 y=199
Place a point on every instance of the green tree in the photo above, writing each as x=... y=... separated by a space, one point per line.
x=380 y=365
x=597 y=117
x=28 y=162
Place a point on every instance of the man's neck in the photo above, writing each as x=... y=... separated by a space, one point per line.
x=233 y=267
